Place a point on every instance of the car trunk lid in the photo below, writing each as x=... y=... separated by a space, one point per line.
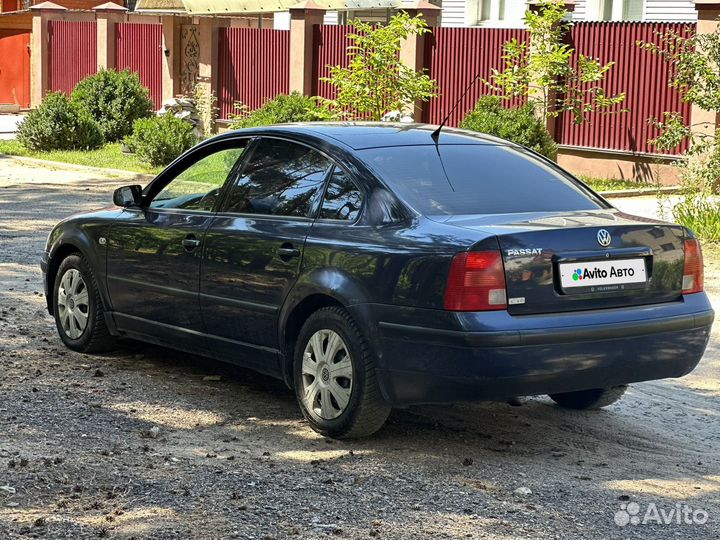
x=556 y=262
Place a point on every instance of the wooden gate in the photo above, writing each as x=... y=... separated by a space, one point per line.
x=15 y=67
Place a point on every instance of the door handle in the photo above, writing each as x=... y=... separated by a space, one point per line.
x=287 y=251
x=190 y=242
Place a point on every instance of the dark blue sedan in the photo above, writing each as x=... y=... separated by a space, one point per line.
x=374 y=265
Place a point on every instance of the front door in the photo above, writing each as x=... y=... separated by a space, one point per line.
x=154 y=252
x=253 y=250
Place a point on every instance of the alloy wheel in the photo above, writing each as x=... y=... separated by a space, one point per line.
x=73 y=303
x=327 y=374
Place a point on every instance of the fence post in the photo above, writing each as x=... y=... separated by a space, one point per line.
x=107 y=15
x=208 y=59
x=536 y=90
x=40 y=49
x=412 y=49
x=303 y=17
x=171 y=56
x=708 y=12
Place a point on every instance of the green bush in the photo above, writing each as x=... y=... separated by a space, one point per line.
x=160 y=139
x=58 y=124
x=699 y=214
x=115 y=99
x=519 y=125
x=281 y=110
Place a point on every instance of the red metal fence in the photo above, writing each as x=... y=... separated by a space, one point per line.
x=641 y=75
x=455 y=56
x=254 y=66
x=73 y=53
x=330 y=49
x=138 y=47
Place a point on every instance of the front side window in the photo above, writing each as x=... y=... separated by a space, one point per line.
x=198 y=186
x=342 y=200
x=281 y=178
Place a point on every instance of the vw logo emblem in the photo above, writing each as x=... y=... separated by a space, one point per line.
x=604 y=238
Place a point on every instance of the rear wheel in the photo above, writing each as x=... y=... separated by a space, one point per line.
x=590 y=399
x=334 y=374
x=78 y=308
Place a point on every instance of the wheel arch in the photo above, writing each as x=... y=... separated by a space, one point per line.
x=62 y=249
x=322 y=288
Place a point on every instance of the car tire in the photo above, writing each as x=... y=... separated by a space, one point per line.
x=589 y=399
x=78 y=308
x=332 y=355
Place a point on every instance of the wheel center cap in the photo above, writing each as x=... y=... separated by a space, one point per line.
x=325 y=375
x=71 y=303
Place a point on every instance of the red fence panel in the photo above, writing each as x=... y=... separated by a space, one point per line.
x=138 y=47
x=73 y=53
x=642 y=76
x=330 y=49
x=254 y=66
x=455 y=56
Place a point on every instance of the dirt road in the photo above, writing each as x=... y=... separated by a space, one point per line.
x=234 y=459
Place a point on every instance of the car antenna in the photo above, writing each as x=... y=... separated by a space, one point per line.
x=436 y=134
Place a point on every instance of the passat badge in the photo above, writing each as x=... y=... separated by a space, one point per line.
x=604 y=238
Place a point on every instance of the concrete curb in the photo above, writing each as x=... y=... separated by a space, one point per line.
x=74 y=166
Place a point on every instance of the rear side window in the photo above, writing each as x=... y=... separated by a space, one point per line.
x=281 y=178
x=343 y=199
x=477 y=179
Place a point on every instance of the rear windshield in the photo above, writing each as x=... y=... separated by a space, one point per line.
x=476 y=179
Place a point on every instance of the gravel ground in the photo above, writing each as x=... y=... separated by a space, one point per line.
x=141 y=444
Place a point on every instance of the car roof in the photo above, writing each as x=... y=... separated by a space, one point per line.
x=364 y=135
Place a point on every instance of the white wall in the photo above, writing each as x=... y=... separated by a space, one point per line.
x=458 y=12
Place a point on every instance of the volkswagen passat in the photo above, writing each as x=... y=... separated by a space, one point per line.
x=372 y=266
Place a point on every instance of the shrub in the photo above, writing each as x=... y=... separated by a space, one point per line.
x=281 y=110
x=115 y=99
x=519 y=125
x=58 y=124
x=160 y=139
x=700 y=215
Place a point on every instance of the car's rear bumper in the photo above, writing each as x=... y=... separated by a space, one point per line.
x=495 y=355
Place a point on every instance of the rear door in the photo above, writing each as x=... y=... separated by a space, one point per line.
x=254 y=247
x=153 y=261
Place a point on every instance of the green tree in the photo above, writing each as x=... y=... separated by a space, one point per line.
x=375 y=81
x=694 y=61
x=541 y=70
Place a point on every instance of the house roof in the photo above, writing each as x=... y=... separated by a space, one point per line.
x=227 y=7
x=160 y=5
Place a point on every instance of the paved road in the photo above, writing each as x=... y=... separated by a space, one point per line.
x=234 y=459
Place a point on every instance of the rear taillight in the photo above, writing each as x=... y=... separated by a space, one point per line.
x=693 y=280
x=476 y=282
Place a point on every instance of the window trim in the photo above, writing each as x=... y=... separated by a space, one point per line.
x=327 y=184
x=218 y=146
x=316 y=205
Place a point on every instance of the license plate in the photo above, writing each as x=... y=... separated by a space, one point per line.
x=603 y=275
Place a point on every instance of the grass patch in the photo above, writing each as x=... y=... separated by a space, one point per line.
x=611 y=184
x=107 y=157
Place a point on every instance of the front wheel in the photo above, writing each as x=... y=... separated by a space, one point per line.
x=589 y=399
x=335 y=380
x=78 y=308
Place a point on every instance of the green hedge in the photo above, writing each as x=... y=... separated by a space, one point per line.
x=519 y=125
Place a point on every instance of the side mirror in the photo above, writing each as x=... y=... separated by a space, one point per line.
x=127 y=196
